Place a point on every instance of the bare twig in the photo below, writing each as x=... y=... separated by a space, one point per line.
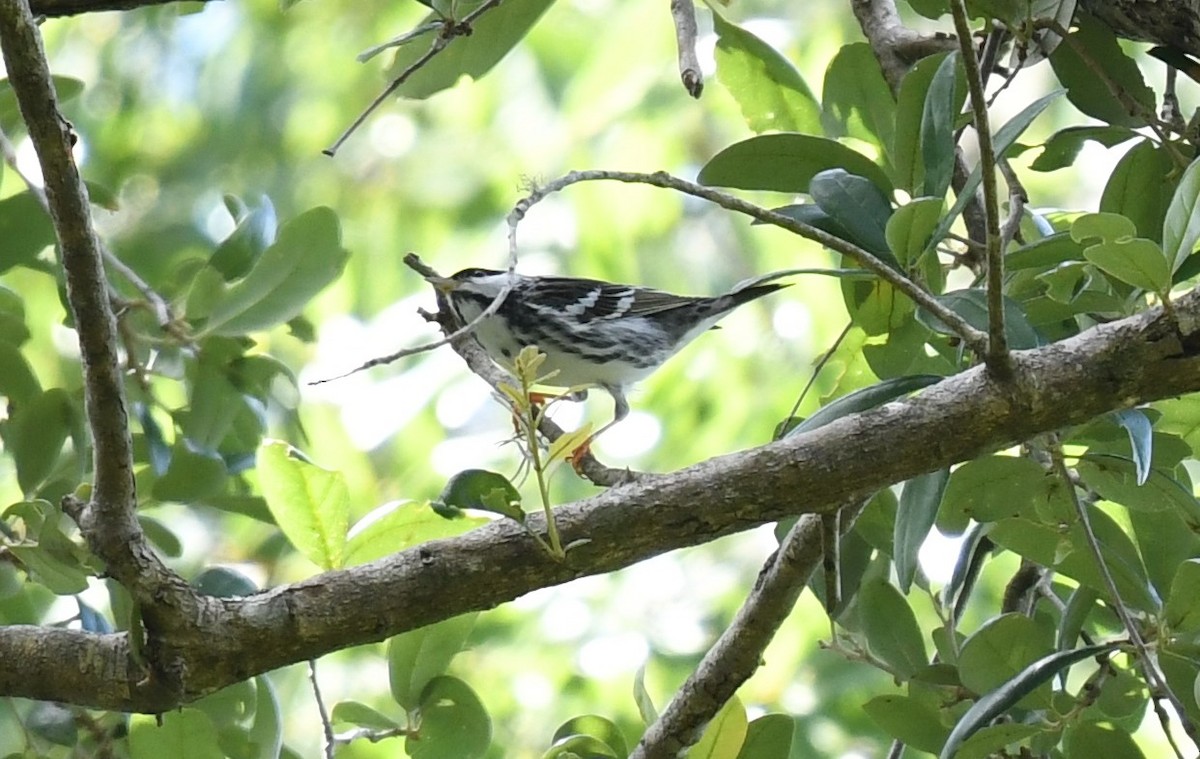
x=683 y=12
x=738 y=652
x=326 y=725
x=450 y=31
x=895 y=46
x=997 y=356
x=974 y=339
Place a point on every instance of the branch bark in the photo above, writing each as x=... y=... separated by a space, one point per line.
x=222 y=641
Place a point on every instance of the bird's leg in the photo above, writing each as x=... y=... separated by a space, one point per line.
x=620 y=411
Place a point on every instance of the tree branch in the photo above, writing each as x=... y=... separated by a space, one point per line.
x=220 y=641
x=737 y=654
x=53 y=8
x=108 y=521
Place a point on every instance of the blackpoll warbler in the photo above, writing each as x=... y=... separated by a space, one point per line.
x=592 y=332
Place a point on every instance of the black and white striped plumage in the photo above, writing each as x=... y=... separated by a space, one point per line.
x=592 y=332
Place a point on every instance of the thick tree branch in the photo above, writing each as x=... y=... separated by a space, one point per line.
x=221 y=641
x=108 y=521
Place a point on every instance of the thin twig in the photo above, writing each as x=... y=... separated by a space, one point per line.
x=450 y=31
x=812 y=379
x=326 y=725
x=974 y=339
x=1146 y=661
x=683 y=13
x=997 y=356
x=738 y=652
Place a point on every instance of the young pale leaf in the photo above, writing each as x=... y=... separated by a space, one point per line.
x=493 y=35
x=1181 y=227
x=724 y=736
x=311 y=505
x=891 y=628
x=919 y=503
x=937 y=128
x=306 y=257
x=645 y=705
x=418 y=656
x=769 y=90
x=1009 y=693
x=909 y=228
x=785 y=163
x=254 y=233
x=398 y=525
x=1136 y=261
x=454 y=723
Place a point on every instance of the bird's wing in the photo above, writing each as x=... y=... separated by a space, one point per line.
x=589 y=299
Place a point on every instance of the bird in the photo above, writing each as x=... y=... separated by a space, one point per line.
x=593 y=333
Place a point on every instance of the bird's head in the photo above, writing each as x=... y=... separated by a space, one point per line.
x=483 y=282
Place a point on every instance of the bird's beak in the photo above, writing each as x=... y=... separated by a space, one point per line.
x=443 y=285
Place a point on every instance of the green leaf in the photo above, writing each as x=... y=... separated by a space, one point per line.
x=1182 y=611
x=67 y=88
x=418 y=656
x=768 y=89
x=191 y=477
x=1003 y=139
x=1140 y=187
x=769 y=737
x=36 y=434
x=17 y=381
x=1002 y=648
x=358 y=713
x=163 y=538
x=454 y=724
x=908 y=720
x=481 y=489
x=864 y=399
x=856 y=100
x=724 y=736
x=785 y=163
x=492 y=36
x=991 y=488
x=937 y=128
x=641 y=697
x=1064 y=145
x=266 y=732
x=306 y=257
x=1116 y=479
x=993 y=739
x=61 y=575
x=397 y=525
x=1093 y=739
x=310 y=504
x=1181 y=226
x=1137 y=261
x=595 y=726
x=919 y=503
x=906 y=152
x=52 y=722
x=254 y=233
x=579 y=747
x=1000 y=700
x=184 y=734
x=1085 y=90
x=1044 y=253
x=25 y=229
x=909 y=228
x=891 y=628
x=971 y=305
x=857 y=206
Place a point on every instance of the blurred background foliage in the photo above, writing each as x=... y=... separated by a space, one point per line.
x=183 y=105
